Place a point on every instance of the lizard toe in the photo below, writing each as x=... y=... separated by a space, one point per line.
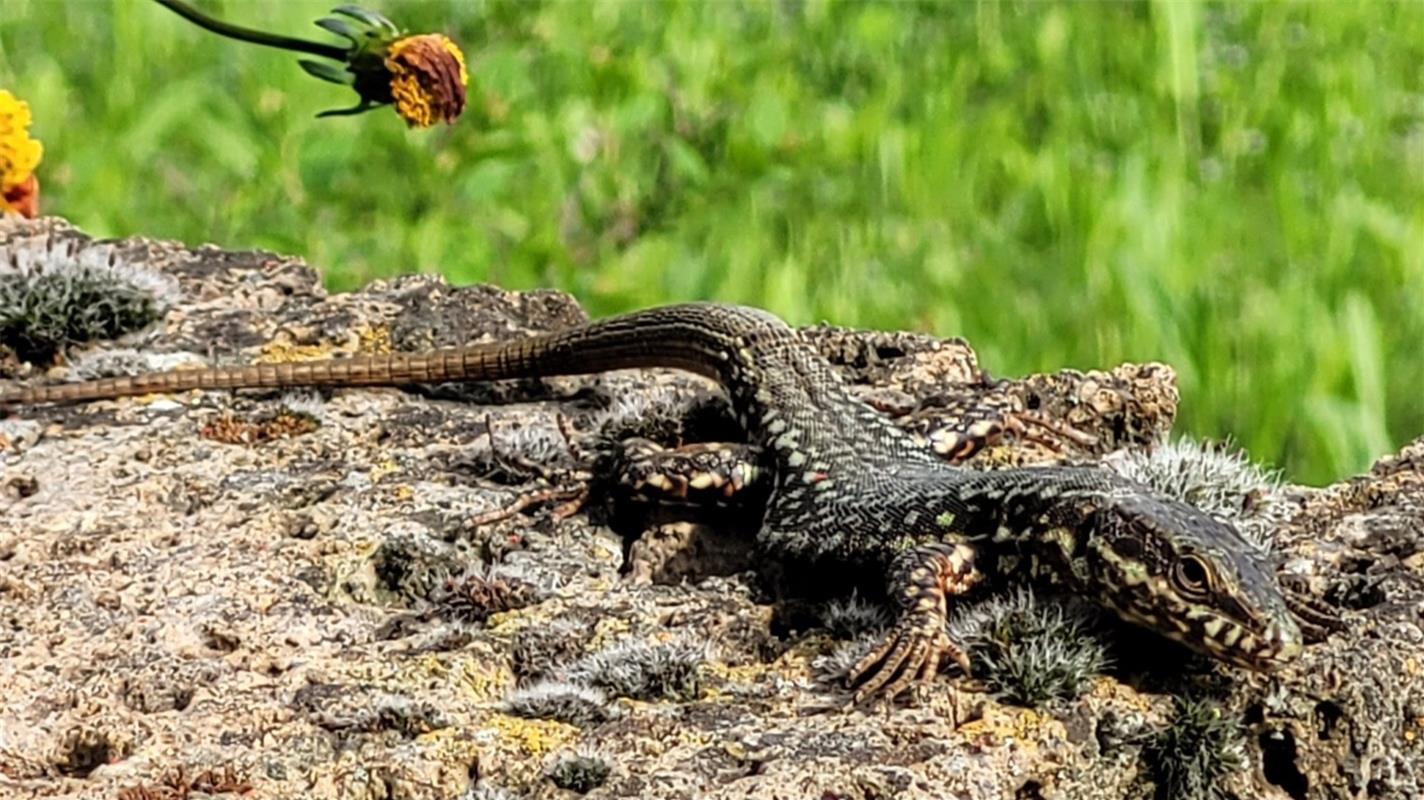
x=909 y=657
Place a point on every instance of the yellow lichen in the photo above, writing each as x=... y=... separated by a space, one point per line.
x=506 y=624
x=1025 y=726
x=532 y=737
x=373 y=339
x=607 y=631
x=286 y=352
x=745 y=673
x=483 y=681
x=432 y=665
x=382 y=469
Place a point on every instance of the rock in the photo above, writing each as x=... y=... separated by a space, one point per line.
x=202 y=596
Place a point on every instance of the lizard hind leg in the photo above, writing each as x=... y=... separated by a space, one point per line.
x=923 y=579
x=700 y=475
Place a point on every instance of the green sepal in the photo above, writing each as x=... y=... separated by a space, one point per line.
x=327 y=72
x=359 y=108
x=371 y=18
x=341 y=28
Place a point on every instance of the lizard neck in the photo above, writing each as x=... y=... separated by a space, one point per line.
x=1038 y=520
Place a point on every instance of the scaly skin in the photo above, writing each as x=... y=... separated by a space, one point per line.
x=848 y=485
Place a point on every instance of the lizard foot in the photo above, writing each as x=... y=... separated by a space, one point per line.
x=570 y=501
x=704 y=474
x=959 y=444
x=913 y=651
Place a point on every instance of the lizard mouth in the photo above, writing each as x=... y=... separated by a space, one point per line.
x=1267 y=651
x=1264 y=649
x=1283 y=644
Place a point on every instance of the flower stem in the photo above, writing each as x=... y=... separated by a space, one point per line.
x=221 y=28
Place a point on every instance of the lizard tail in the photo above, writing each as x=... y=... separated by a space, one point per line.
x=384 y=370
x=710 y=340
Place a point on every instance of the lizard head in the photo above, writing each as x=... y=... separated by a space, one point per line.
x=1189 y=576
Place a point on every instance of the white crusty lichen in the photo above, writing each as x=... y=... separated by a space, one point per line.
x=56 y=292
x=94 y=364
x=486 y=791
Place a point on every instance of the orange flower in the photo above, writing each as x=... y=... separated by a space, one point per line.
x=428 y=79
x=19 y=155
x=23 y=199
x=424 y=75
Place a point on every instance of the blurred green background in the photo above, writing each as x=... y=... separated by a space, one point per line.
x=1235 y=189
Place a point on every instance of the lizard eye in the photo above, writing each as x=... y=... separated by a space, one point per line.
x=1192 y=575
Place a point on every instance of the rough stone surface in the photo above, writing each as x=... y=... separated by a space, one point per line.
x=339 y=610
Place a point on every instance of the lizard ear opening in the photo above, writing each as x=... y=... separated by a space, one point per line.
x=1128 y=547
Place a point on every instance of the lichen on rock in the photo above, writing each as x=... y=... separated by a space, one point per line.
x=316 y=615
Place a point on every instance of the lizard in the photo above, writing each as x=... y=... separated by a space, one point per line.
x=846 y=484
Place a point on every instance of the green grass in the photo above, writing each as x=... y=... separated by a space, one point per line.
x=1237 y=189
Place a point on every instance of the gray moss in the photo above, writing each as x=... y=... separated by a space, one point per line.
x=562 y=701
x=837 y=664
x=851 y=617
x=1217 y=478
x=1028 y=651
x=474 y=595
x=411 y=566
x=1195 y=752
x=92 y=364
x=644 y=671
x=515 y=454
x=581 y=770
x=57 y=294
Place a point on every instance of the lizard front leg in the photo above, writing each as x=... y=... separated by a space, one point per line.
x=957 y=443
x=959 y=427
x=923 y=579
